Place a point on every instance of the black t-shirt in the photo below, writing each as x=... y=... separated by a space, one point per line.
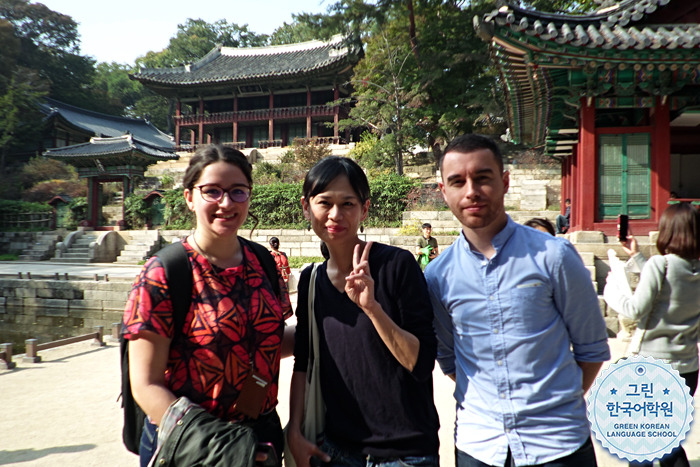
x=374 y=404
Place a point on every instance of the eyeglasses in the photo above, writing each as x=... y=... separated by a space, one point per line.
x=214 y=193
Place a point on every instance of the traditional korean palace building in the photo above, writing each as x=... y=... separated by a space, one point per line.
x=103 y=148
x=615 y=94
x=261 y=96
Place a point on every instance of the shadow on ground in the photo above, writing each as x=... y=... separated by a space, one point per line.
x=29 y=455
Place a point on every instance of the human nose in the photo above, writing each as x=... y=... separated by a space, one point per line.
x=334 y=212
x=226 y=199
x=471 y=189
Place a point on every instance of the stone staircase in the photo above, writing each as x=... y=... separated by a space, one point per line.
x=141 y=244
x=78 y=250
x=43 y=247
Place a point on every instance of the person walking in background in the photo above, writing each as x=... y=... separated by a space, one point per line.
x=666 y=302
x=426 y=246
x=280 y=258
x=541 y=224
x=518 y=324
x=564 y=221
x=376 y=343
x=233 y=331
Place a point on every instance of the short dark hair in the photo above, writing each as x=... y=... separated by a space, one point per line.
x=426 y=226
x=541 y=222
x=274 y=241
x=567 y=200
x=470 y=143
x=679 y=231
x=328 y=169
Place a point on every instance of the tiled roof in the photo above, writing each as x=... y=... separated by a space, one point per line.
x=242 y=65
x=610 y=28
x=140 y=154
x=103 y=125
x=624 y=55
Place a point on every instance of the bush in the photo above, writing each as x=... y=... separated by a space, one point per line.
x=78 y=212
x=277 y=205
x=177 y=214
x=135 y=211
x=307 y=154
x=20 y=207
x=46 y=190
x=370 y=153
x=389 y=199
x=39 y=169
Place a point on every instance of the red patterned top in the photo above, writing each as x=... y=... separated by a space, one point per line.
x=233 y=311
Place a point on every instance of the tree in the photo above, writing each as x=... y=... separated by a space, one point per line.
x=196 y=38
x=20 y=119
x=304 y=27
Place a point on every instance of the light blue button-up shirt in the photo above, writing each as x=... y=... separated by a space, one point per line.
x=511 y=328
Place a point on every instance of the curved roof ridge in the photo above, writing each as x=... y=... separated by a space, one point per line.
x=284 y=48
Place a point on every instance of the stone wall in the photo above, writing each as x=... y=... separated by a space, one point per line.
x=48 y=310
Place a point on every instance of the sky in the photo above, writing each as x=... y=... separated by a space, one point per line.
x=123 y=30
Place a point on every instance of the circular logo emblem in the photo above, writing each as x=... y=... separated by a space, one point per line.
x=640 y=408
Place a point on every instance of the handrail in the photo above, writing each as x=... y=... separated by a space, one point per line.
x=33 y=346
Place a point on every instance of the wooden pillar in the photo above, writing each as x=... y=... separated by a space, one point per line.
x=200 y=137
x=235 y=119
x=178 y=113
x=585 y=201
x=336 y=112
x=660 y=158
x=193 y=141
x=93 y=212
x=270 y=119
x=308 y=113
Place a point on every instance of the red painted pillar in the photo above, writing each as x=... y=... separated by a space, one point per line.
x=308 y=113
x=336 y=113
x=585 y=201
x=270 y=120
x=178 y=112
x=660 y=158
x=235 y=119
x=200 y=137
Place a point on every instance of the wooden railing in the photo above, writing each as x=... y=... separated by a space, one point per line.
x=31 y=220
x=256 y=115
x=32 y=345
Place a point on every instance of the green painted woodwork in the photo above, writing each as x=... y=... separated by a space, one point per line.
x=624 y=175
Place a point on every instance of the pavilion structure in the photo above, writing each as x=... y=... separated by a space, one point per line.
x=615 y=94
x=261 y=96
x=103 y=148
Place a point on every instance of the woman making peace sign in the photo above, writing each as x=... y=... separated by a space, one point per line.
x=377 y=347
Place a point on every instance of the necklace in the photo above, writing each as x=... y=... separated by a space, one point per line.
x=209 y=257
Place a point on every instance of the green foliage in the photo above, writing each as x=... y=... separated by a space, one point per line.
x=23 y=207
x=8 y=257
x=177 y=214
x=167 y=181
x=308 y=154
x=370 y=153
x=296 y=262
x=78 y=212
x=45 y=190
x=135 y=211
x=277 y=205
x=413 y=229
x=266 y=172
x=304 y=27
x=388 y=199
x=39 y=169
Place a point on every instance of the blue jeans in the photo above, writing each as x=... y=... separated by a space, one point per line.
x=149 y=443
x=582 y=457
x=342 y=457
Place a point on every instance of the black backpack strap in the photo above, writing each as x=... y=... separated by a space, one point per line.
x=266 y=261
x=178 y=273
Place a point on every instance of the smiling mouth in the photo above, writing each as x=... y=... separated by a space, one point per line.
x=224 y=217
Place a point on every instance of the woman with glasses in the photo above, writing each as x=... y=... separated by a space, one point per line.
x=226 y=358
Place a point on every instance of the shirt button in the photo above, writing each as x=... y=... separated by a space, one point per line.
x=507 y=430
x=491 y=297
x=484 y=263
x=503 y=395
x=499 y=362
x=495 y=331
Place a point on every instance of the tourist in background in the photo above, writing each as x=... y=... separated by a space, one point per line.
x=666 y=302
x=564 y=221
x=426 y=246
x=280 y=259
x=234 y=328
x=377 y=346
x=541 y=224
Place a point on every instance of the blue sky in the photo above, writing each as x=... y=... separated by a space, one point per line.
x=124 y=30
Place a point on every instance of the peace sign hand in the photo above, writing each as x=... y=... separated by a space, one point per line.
x=359 y=284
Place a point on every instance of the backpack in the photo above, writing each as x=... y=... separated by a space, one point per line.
x=178 y=274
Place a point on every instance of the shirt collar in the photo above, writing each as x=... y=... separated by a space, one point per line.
x=498 y=240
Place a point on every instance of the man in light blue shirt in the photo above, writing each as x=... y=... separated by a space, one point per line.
x=518 y=323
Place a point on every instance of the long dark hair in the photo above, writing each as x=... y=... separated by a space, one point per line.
x=210 y=154
x=328 y=169
x=679 y=231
